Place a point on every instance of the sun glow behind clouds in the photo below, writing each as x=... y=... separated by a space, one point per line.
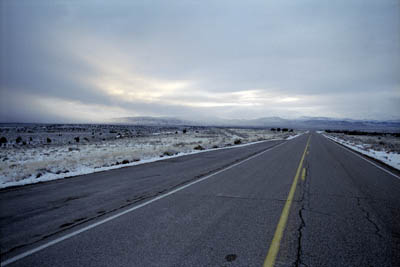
x=118 y=77
x=137 y=88
x=157 y=59
x=120 y=81
x=127 y=81
x=131 y=87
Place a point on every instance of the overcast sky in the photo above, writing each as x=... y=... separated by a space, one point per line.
x=88 y=61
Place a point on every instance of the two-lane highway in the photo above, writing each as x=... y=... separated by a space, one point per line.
x=307 y=201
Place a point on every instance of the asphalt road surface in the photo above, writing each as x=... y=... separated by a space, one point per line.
x=302 y=202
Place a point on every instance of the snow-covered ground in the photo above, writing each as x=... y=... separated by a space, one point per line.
x=383 y=148
x=37 y=153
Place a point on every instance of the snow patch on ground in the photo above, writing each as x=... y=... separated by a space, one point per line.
x=81 y=170
x=294 y=136
x=37 y=161
x=390 y=158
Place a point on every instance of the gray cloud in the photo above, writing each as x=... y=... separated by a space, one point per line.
x=198 y=59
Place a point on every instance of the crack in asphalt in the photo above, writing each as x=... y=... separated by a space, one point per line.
x=298 y=261
x=302 y=225
x=368 y=217
x=304 y=200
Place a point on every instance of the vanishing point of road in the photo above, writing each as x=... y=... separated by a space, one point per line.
x=301 y=202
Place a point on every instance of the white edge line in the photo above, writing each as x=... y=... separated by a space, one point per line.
x=358 y=155
x=86 y=228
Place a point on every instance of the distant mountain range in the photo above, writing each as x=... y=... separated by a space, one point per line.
x=155 y=121
x=267 y=122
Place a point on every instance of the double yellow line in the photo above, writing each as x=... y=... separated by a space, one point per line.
x=274 y=247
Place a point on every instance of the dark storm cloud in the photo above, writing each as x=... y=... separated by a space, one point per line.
x=175 y=58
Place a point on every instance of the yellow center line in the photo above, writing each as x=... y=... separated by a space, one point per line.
x=303 y=174
x=274 y=247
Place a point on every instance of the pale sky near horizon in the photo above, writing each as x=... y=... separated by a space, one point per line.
x=89 y=61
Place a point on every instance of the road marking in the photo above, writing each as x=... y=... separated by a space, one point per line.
x=303 y=174
x=274 y=247
x=86 y=228
x=358 y=155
